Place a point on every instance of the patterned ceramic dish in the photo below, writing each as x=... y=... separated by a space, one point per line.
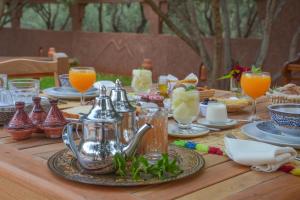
x=286 y=118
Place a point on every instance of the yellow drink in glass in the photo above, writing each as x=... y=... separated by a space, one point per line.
x=82 y=79
x=163 y=89
x=255 y=85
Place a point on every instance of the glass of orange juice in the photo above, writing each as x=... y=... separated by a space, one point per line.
x=82 y=79
x=255 y=84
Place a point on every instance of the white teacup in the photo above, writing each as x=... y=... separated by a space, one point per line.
x=216 y=113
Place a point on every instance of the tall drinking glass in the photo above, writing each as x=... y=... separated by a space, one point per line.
x=255 y=85
x=82 y=79
x=185 y=107
x=155 y=142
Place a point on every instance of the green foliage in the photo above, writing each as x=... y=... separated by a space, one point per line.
x=140 y=167
x=126 y=80
x=46 y=82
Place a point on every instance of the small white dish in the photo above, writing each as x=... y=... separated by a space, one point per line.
x=222 y=125
x=195 y=131
x=107 y=84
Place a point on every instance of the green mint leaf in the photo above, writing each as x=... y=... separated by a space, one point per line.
x=255 y=69
x=189 y=88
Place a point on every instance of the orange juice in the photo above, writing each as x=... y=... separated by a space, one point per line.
x=255 y=85
x=82 y=80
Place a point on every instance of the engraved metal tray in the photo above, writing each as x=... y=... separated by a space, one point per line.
x=65 y=165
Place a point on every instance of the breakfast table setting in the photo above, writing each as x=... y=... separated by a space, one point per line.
x=172 y=139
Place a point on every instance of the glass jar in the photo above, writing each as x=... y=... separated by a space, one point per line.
x=141 y=80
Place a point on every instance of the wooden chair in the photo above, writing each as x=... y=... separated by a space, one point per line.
x=289 y=70
x=26 y=67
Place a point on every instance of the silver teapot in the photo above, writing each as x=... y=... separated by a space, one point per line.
x=122 y=105
x=100 y=140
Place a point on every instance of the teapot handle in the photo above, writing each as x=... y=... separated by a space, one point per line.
x=68 y=139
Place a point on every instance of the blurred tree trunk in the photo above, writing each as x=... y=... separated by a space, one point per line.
x=251 y=20
x=273 y=8
x=227 y=42
x=100 y=11
x=218 y=46
x=294 y=44
x=172 y=26
x=193 y=34
x=237 y=18
x=142 y=26
x=115 y=19
x=5 y=13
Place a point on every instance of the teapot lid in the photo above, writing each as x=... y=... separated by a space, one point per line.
x=103 y=109
x=119 y=98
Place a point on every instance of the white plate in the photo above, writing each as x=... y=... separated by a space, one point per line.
x=253 y=132
x=107 y=84
x=69 y=93
x=230 y=123
x=174 y=131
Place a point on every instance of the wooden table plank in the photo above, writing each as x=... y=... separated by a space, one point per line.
x=208 y=177
x=10 y=190
x=19 y=167
x=35 y=141
x=281 y=188
x=232 y=186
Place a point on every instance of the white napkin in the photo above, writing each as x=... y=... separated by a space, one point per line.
x=260 y=156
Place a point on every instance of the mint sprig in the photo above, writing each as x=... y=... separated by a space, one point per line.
x=191 y=87
x=255 y=70
x=140 y=167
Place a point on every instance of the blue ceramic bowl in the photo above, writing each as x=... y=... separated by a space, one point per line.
x=286 y=118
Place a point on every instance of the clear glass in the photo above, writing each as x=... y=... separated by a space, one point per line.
x=82 y=79
x=155 y=141
x=255 y=85
x=141 y=80
x=3 y=81
x=5 y=96
x=185 y=106
x=64 y=80
x=24 y=89
x=163 y=85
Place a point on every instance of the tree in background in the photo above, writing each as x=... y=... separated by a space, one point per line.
x=216 y=15
x=7 y=8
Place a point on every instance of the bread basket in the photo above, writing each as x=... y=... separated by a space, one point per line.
x=206 y=94
x=279 y=98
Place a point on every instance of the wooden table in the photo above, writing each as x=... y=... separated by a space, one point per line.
x=24 y=175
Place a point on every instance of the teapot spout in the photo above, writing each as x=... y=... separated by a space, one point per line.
x=130 y=149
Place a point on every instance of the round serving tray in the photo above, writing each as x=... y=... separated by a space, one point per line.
x=65 y=165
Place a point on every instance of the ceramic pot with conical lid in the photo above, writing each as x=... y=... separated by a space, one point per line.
x=54 y=122
x=20 y=126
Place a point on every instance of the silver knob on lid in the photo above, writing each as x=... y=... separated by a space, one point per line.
x=102 y=91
